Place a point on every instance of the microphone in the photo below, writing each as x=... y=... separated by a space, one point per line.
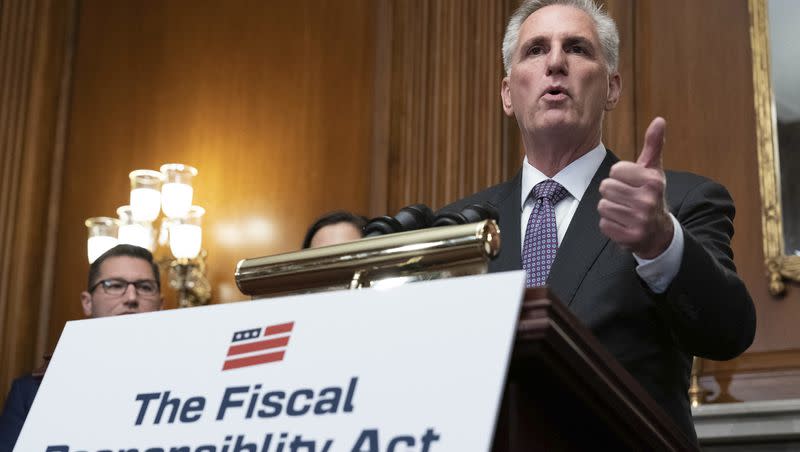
x=470 y=214
x=409 y=218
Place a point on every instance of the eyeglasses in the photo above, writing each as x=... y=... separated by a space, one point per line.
x=117 y=287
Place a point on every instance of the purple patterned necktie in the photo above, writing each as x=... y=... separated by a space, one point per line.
x=541 y=235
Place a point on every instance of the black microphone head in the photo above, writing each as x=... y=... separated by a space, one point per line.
x=479 y=212
x=449 y=219
x=381 y=226
x=416 y=216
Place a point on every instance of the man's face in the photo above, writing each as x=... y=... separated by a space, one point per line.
x=559 y=81
x=98 y=303
x=336 y=233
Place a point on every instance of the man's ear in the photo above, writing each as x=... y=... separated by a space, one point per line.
x=614 y=90
x=505 y=95
x=86 y=303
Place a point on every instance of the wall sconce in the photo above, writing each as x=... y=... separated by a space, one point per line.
x=169 y=190
x=187 y=271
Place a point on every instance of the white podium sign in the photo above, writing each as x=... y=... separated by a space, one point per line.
x=415 y=368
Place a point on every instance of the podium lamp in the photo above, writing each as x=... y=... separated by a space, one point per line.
x=381 y=261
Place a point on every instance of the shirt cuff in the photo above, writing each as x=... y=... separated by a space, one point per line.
x=659 y=272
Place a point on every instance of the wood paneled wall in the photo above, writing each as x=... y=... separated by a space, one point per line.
x=620 y=126
x=447 y=135
x=35 y=52
x=271 y=101
x=289 y=109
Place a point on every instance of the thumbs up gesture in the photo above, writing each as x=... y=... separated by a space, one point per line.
x=633 y=209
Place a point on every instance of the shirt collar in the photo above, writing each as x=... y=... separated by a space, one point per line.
x=575 y=177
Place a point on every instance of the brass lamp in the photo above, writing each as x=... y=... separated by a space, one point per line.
x=169 y=190
x=381 y=262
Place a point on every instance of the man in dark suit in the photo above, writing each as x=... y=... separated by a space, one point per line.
x=640 y=255
x=123 y=280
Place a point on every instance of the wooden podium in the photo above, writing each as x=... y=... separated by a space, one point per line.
x=566 y=392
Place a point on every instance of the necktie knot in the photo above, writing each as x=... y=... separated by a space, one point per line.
x=551 y=190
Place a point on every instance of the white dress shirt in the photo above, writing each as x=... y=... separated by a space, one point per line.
x=658 y=272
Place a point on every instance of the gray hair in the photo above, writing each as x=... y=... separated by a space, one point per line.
x=606 y=28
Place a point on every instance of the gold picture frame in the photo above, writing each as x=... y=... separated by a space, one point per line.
x=778 y=264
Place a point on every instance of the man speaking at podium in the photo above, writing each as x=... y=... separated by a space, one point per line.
x=640 y=255
x=123 y=280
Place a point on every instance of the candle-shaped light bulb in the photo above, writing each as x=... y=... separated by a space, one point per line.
x=177 y=191
x=185 y=234
x=139 y=233
x=102 y=236
x=145 y=194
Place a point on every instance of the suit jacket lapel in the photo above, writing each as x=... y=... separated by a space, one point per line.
x=508 y=205
x=583 y=241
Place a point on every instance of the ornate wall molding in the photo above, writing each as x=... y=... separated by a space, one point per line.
x=778 y=264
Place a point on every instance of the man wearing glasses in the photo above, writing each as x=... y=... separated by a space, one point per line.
x=123 y=280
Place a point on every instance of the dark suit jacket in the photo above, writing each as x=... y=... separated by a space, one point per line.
x=706 y=311
x=18 y=403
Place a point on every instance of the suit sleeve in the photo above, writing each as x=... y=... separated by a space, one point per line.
x=18 y=403
x=707 y=305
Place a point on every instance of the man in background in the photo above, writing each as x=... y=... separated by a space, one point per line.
x=640 y=255
x=333 y=228
x=123 y=280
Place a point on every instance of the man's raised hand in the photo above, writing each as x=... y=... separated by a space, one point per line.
x=633 y=209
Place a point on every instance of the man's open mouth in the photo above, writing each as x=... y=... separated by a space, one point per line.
x=556 y=92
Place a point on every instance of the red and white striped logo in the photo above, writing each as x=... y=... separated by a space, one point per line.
x=250 y=347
